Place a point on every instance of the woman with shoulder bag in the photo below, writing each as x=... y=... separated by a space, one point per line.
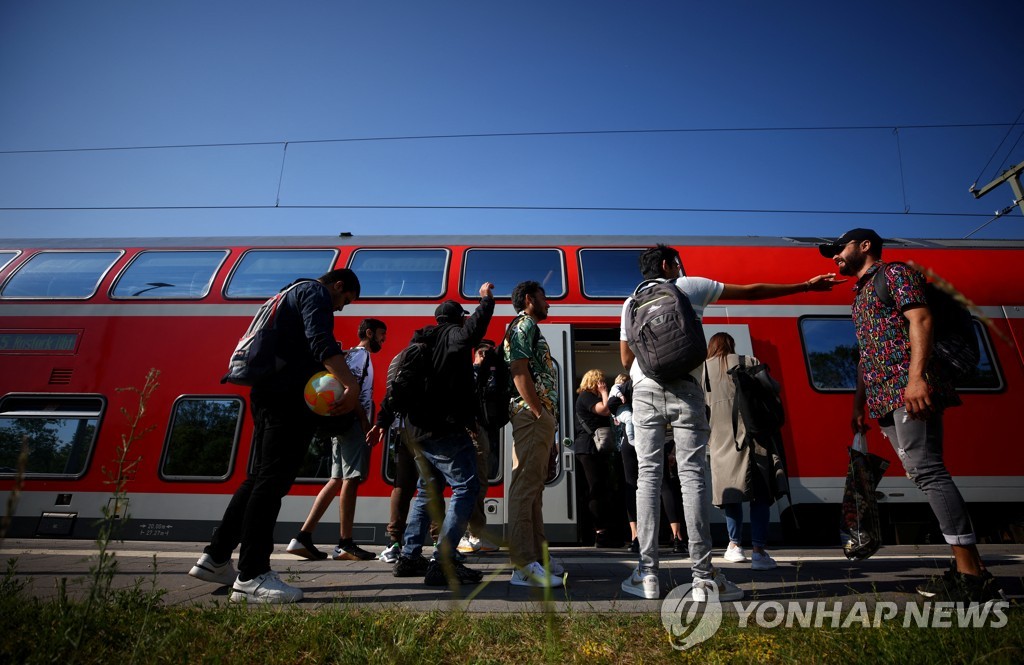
x=740 y=464
x=594 y=437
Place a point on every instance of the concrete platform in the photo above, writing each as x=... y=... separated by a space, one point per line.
x=594 y=576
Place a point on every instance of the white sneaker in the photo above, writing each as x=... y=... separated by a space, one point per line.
x=217 y=573
x=265 y=588
x=762 y=561
x=726 y=590
x=644 y=586
x=483 y=545
x=390 y=554
x=468 y=545
x=735 y=554
x=534 y=575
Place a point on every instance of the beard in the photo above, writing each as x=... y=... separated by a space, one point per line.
x=375 y=346
x=852 y=265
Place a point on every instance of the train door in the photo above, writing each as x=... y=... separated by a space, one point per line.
x=560 y=510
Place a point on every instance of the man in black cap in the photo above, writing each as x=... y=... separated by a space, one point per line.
x=907 y=390
x=438 y=432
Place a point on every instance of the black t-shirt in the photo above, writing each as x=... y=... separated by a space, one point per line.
x=584 y=442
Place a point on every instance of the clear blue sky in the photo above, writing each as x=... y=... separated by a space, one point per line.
x=95 y=74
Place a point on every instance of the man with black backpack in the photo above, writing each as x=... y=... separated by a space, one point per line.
x=432 y=386
x=907 y=384
x=303 y=343
x=662 y=346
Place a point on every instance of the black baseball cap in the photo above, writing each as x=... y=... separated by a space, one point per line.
x=830 y=249
x=449 y=311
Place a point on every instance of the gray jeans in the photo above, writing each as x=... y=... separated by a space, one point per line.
x=919 y=446
x=679 y=404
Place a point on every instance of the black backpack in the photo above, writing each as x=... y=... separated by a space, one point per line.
x=664 y=332
x=493 y=389
x=757 y=400
x=954 y=341
x=255 y=356
x=410 y=375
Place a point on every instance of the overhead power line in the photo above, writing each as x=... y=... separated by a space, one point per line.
x=994 y=152
x=484 y=135
x=743 y=211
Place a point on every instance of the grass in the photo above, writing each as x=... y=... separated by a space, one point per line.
x=133 y=626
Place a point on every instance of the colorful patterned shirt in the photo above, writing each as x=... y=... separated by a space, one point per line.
x=524 y=340
x=883 y=338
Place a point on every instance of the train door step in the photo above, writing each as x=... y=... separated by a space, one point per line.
x=56 y=524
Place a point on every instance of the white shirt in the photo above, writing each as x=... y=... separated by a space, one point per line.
x=700 y=291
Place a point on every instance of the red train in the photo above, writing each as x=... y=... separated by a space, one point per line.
x=81 y=318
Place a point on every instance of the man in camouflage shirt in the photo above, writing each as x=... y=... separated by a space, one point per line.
x=534 y=414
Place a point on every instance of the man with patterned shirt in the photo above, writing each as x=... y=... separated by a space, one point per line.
x=534 y=413
x=907 y=389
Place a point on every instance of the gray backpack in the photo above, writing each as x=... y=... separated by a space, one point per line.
x=664 y=332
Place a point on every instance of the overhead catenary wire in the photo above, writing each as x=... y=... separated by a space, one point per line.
x=485 y=135
x=1009 y=129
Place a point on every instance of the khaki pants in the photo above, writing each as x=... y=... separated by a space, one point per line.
x=478 y=520
x=532 y=439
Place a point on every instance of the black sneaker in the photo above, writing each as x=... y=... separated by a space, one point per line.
x=302 y=545
x=940 y=584
x=634 y=546
x=407 y=566
x=351 y=552
x=435 y=574
x=679 y=546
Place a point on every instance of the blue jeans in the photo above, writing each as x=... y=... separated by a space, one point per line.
x=679 y=404
x=454 y=457
x=759 y=515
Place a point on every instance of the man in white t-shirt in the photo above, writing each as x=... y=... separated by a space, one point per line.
x=680 y=403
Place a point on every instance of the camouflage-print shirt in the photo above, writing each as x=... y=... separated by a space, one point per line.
x=883 y=339
x=524 y=340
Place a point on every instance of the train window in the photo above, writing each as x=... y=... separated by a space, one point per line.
x=6 y=257
x=317 y=465
x=400 y=273
x=610 y=273
x=59 y=430
x=59 y=274
x=169 y=274
x=202 y=438
x=830 y=350
x=506 y=268
x=261 y=273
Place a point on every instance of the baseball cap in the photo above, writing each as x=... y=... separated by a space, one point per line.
x=830 y=249
x=449 y=311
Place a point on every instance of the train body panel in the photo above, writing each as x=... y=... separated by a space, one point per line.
x=63 y=359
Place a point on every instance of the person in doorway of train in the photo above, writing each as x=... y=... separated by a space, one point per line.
x=593 y=442
x=437 y=429
x=907 y=389
x=741 y=466
x=350 y=456
x=284 y=426
x=534 y=412
x=680 y=403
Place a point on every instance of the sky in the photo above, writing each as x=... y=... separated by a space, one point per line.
x=197 y=118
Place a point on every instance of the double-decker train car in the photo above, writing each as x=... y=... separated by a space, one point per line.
x=81 y=319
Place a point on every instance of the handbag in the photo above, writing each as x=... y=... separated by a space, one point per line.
x=604 y=437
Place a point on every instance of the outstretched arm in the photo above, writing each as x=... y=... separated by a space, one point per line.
x=762 y=291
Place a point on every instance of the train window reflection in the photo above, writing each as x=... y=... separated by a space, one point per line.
x=400 y=273
x=5 y=258
x=59 y=433
x=610 y=273
x=59 y=274
x=202 y=438
x=169 y=274
x=263 y=272
x=830 y=350
x=506 y=268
